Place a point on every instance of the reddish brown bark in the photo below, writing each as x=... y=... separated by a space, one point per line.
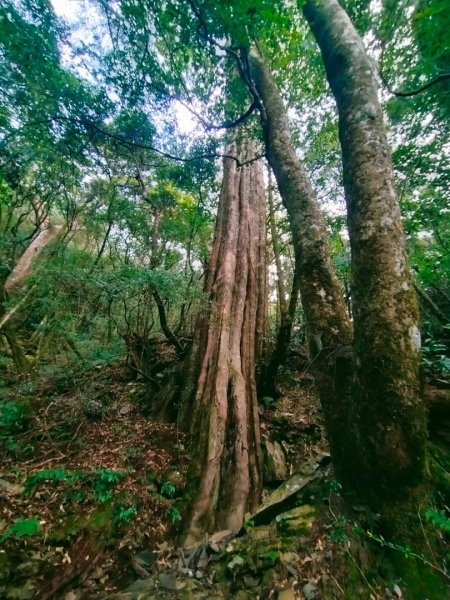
x=224 y=413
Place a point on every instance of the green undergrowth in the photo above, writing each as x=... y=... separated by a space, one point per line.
x=88 y=501
x=329 y=537
x=30 y=556
x=86 y=508
x=78 y=485
x=370 y=560
x=15 y=418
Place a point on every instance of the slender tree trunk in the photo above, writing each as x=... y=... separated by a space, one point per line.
x=431 y=305
x=103 y=245
x=287 y=310
x=154 y=263
x=325 y=312
x=223 y=407
x=7 y=316
x=171 y=337
x=154 y=241
x=276 y=252
x=388 y=461
x=18 y=355
x=283 y=339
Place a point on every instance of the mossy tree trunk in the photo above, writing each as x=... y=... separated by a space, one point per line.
x=222 y=408
x=389 y=455
x=321 y=295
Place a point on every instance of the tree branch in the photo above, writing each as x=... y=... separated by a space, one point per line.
x=9 y=315
x=90 y=125
x=424 y=87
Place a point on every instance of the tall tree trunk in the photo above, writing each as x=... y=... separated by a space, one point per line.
x=388 y=461
x=223 y=407
x=325 y=312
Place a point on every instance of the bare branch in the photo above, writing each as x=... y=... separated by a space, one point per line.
x=424 y=87
x=91 y=126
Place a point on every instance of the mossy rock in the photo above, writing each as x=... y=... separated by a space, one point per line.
x=259 y=534
x=296 y=522
x=287 y=495
x=101 y=519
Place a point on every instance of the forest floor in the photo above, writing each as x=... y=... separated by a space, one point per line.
x=91 y=501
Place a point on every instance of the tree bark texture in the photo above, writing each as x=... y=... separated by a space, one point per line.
x=389 y=456
x=325 y=312
x=224 y=423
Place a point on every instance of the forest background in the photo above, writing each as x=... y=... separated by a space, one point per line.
x=120 y=123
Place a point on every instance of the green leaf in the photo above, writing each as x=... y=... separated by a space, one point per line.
x=22 y=528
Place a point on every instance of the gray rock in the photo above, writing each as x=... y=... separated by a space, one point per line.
x=98 y=573
x=311 y=591
x=284 y=497
x=141 y=589
x=11 y=489
x=236 y=562
x=275 y=466
x=221 y=536
x=169 y=581
x=250 y=581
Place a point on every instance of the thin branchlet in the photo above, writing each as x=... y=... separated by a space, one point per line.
x=90 y=126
